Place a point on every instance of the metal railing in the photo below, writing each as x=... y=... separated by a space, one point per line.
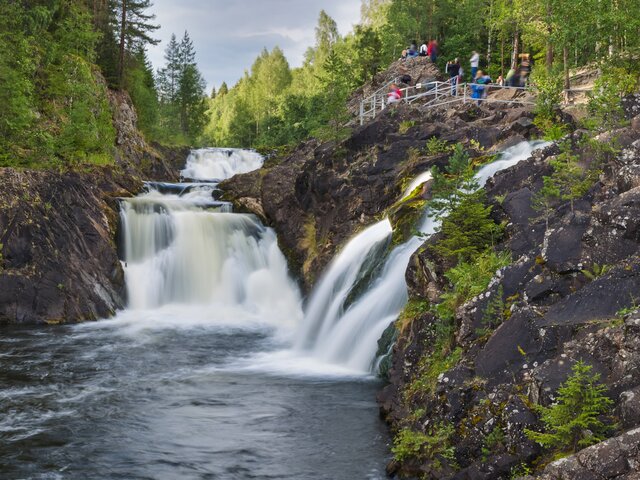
x=437 y=93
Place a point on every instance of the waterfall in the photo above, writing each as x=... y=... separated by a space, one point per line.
x=347 y=334
x=220 y=163
x=184 y=247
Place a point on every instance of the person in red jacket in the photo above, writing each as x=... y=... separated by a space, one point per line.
x=394 y=95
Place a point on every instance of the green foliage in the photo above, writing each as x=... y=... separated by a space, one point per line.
x=548 y=88
x=432 y=366
x=469 y=279
x=596 y=270
x=405 y=126
x=496 y=311
x=435 y=146
x=469 y=229
x=575 y=420
x=181 y=88
x=569 y=181
x=492 y=442
x=451 y=186
x=413 y=310
x=433 y=445
x=623 y=312
x=604 y=106
x=521 y=470
x=54 y=106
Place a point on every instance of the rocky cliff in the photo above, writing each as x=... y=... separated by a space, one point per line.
x=569 y=295
x=319 y=195
x=58 y=230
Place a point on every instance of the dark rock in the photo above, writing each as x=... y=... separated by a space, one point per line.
x=599 y=300
x=615 y=458
x=59 y=259
x=630 y=407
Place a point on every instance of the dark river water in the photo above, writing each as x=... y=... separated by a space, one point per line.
x=108 y=401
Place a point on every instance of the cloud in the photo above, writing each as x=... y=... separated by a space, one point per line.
x=229 y=35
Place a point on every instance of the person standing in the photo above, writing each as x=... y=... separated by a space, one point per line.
x=453 y=69
x=424 y=50
x=475 y=63
x=433 y=51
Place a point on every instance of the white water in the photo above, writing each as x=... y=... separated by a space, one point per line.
x=220 y=163
x=418 y=181
x=189 y=261
x=348 y=335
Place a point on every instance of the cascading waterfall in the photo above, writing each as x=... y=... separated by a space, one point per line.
x=347 y=334
x=220 y=163
x=189 y=249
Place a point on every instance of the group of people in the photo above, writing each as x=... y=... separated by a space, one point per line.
x=479 y=79
x=427 y=49
x=519 y=77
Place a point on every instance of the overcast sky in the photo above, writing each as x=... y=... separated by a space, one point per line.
x=229 y=34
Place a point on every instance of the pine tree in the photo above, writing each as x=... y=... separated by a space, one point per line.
x=169 y=76
x=335 y=82
x=134 y=30
x=191 y=91
x=449 y=187
x=574 y=421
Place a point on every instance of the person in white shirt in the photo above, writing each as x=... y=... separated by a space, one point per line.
x=475 y=62
x=423 y=50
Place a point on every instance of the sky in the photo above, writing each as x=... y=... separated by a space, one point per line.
x=229 y=34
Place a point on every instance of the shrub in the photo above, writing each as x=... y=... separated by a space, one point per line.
x=574 y=421
x=470 y=279
x=469 y=229
x=435 y=146
x=548 y=86
x=604 y=106
x=409 y=443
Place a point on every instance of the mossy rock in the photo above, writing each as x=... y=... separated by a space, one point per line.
x=404 y=217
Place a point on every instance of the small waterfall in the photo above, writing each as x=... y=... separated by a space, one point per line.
x=220 y=163
x=348 y=335
x=327 y=303
x=188 y=249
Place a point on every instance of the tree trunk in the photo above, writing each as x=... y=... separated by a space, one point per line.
x=567 y=82
x=549 y=55
x=123 y=26
x=516 y=46
x=502 y=58
x=490 y=39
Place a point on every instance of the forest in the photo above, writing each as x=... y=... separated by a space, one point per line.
x=61 y=58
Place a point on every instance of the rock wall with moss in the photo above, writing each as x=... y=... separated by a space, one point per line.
x=466 y=386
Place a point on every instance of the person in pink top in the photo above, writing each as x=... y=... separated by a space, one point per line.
x=394 y=95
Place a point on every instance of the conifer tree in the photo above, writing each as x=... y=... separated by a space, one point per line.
x=134 y=29
x=574 y=421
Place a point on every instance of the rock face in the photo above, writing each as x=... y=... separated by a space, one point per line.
x=58 y=260
x=319 y=195
x=133 y=153
x=617 y=458
x=58 y=231
x=569 y=296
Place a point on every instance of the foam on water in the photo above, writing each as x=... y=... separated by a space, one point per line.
x=220 y=163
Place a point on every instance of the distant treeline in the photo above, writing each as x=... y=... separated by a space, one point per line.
x=273 y=104
x=58 y=58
